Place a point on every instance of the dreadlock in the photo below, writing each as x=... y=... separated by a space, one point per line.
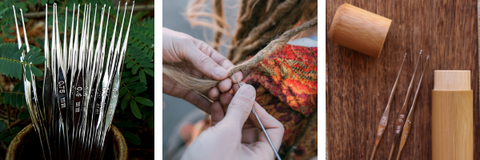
x=259 y=24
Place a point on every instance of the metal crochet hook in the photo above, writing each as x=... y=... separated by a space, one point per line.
x=383 y=122
x=37 y=112
x=401 y=116
x=261 y=125
x=408 y=124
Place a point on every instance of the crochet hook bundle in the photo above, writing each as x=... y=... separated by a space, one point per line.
x=400 y=121
x=73 y=113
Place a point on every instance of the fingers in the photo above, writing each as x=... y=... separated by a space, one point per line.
x=213 y=94
x=206 y=59
x=225 y=85
x=238 y=75
x=217 y=113
x=240 y=107
x=235 y=87
x=205 y=64
x=221 y=60
x=197 y=100
x=225 y=99
x=274 y=129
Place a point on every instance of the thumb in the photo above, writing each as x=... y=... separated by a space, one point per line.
x=240 y=107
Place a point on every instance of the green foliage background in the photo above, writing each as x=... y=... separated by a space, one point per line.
x=134 y=113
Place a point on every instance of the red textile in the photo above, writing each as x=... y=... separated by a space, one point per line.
x=286 y=84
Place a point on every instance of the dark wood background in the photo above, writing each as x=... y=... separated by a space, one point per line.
x=358 y=86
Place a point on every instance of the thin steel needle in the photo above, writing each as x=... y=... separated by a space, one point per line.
x=383 y=122
x=403 y=111
x=408 y=124
x=261 y=125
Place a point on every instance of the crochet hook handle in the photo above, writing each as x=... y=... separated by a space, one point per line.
x=408 y=124
x=383 y=122
x=401 y=116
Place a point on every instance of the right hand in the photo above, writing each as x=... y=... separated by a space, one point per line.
x=233 y=134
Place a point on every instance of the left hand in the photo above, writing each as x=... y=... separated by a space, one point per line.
x=199 y=59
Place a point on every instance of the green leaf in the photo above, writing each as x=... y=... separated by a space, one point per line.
x=38 y=60
x=140 y=90
x=4 y=135
x=149 y=72
x=141 y=74
x=125 y=101
x=148 y=65
x=135 y=85
x=135 y=110
x=40 y=42
x=126 y=124
x=150 y=123
x=23 y=115
x=18 y=87
x=37 y=72
x=130 y=64
x=44 y=2
x=135 y=69
x=14 y=101
x=14 y=131
x=144 y=101
x=123 y=91
x=129 y=136
x=3 y=126
x=8 y=139
x=32 y=1
x=10 y=36
x=131 y=79
x=29 y=73
x=7 y=98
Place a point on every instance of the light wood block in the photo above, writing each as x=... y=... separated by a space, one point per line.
x=360 y=30
x=452 y=116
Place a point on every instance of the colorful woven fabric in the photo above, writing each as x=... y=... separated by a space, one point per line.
x=286 y=84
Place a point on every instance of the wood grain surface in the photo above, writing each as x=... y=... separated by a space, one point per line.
x=358 y=86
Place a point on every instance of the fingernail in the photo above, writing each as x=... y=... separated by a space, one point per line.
x=219 y=71
x=247 y=91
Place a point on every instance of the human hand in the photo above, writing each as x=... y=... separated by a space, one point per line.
x=233 y=135
x=196 y=58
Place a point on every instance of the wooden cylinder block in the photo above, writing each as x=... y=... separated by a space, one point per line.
x=360 y=30
x=452 y=116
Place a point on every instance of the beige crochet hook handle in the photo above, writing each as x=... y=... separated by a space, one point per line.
x=383 y=122
x=408 y=123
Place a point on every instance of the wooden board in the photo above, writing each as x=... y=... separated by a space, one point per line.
x=358 y=86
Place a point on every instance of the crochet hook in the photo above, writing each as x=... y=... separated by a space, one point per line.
x=383 y=122
x=401 y=116
x=261 y=125
x=36 y=111
x=408 y=124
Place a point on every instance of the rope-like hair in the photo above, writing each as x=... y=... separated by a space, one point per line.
x=203 y=85
x=194 y=11
x=218 y=10
x=247 y=19
x=282 y=18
